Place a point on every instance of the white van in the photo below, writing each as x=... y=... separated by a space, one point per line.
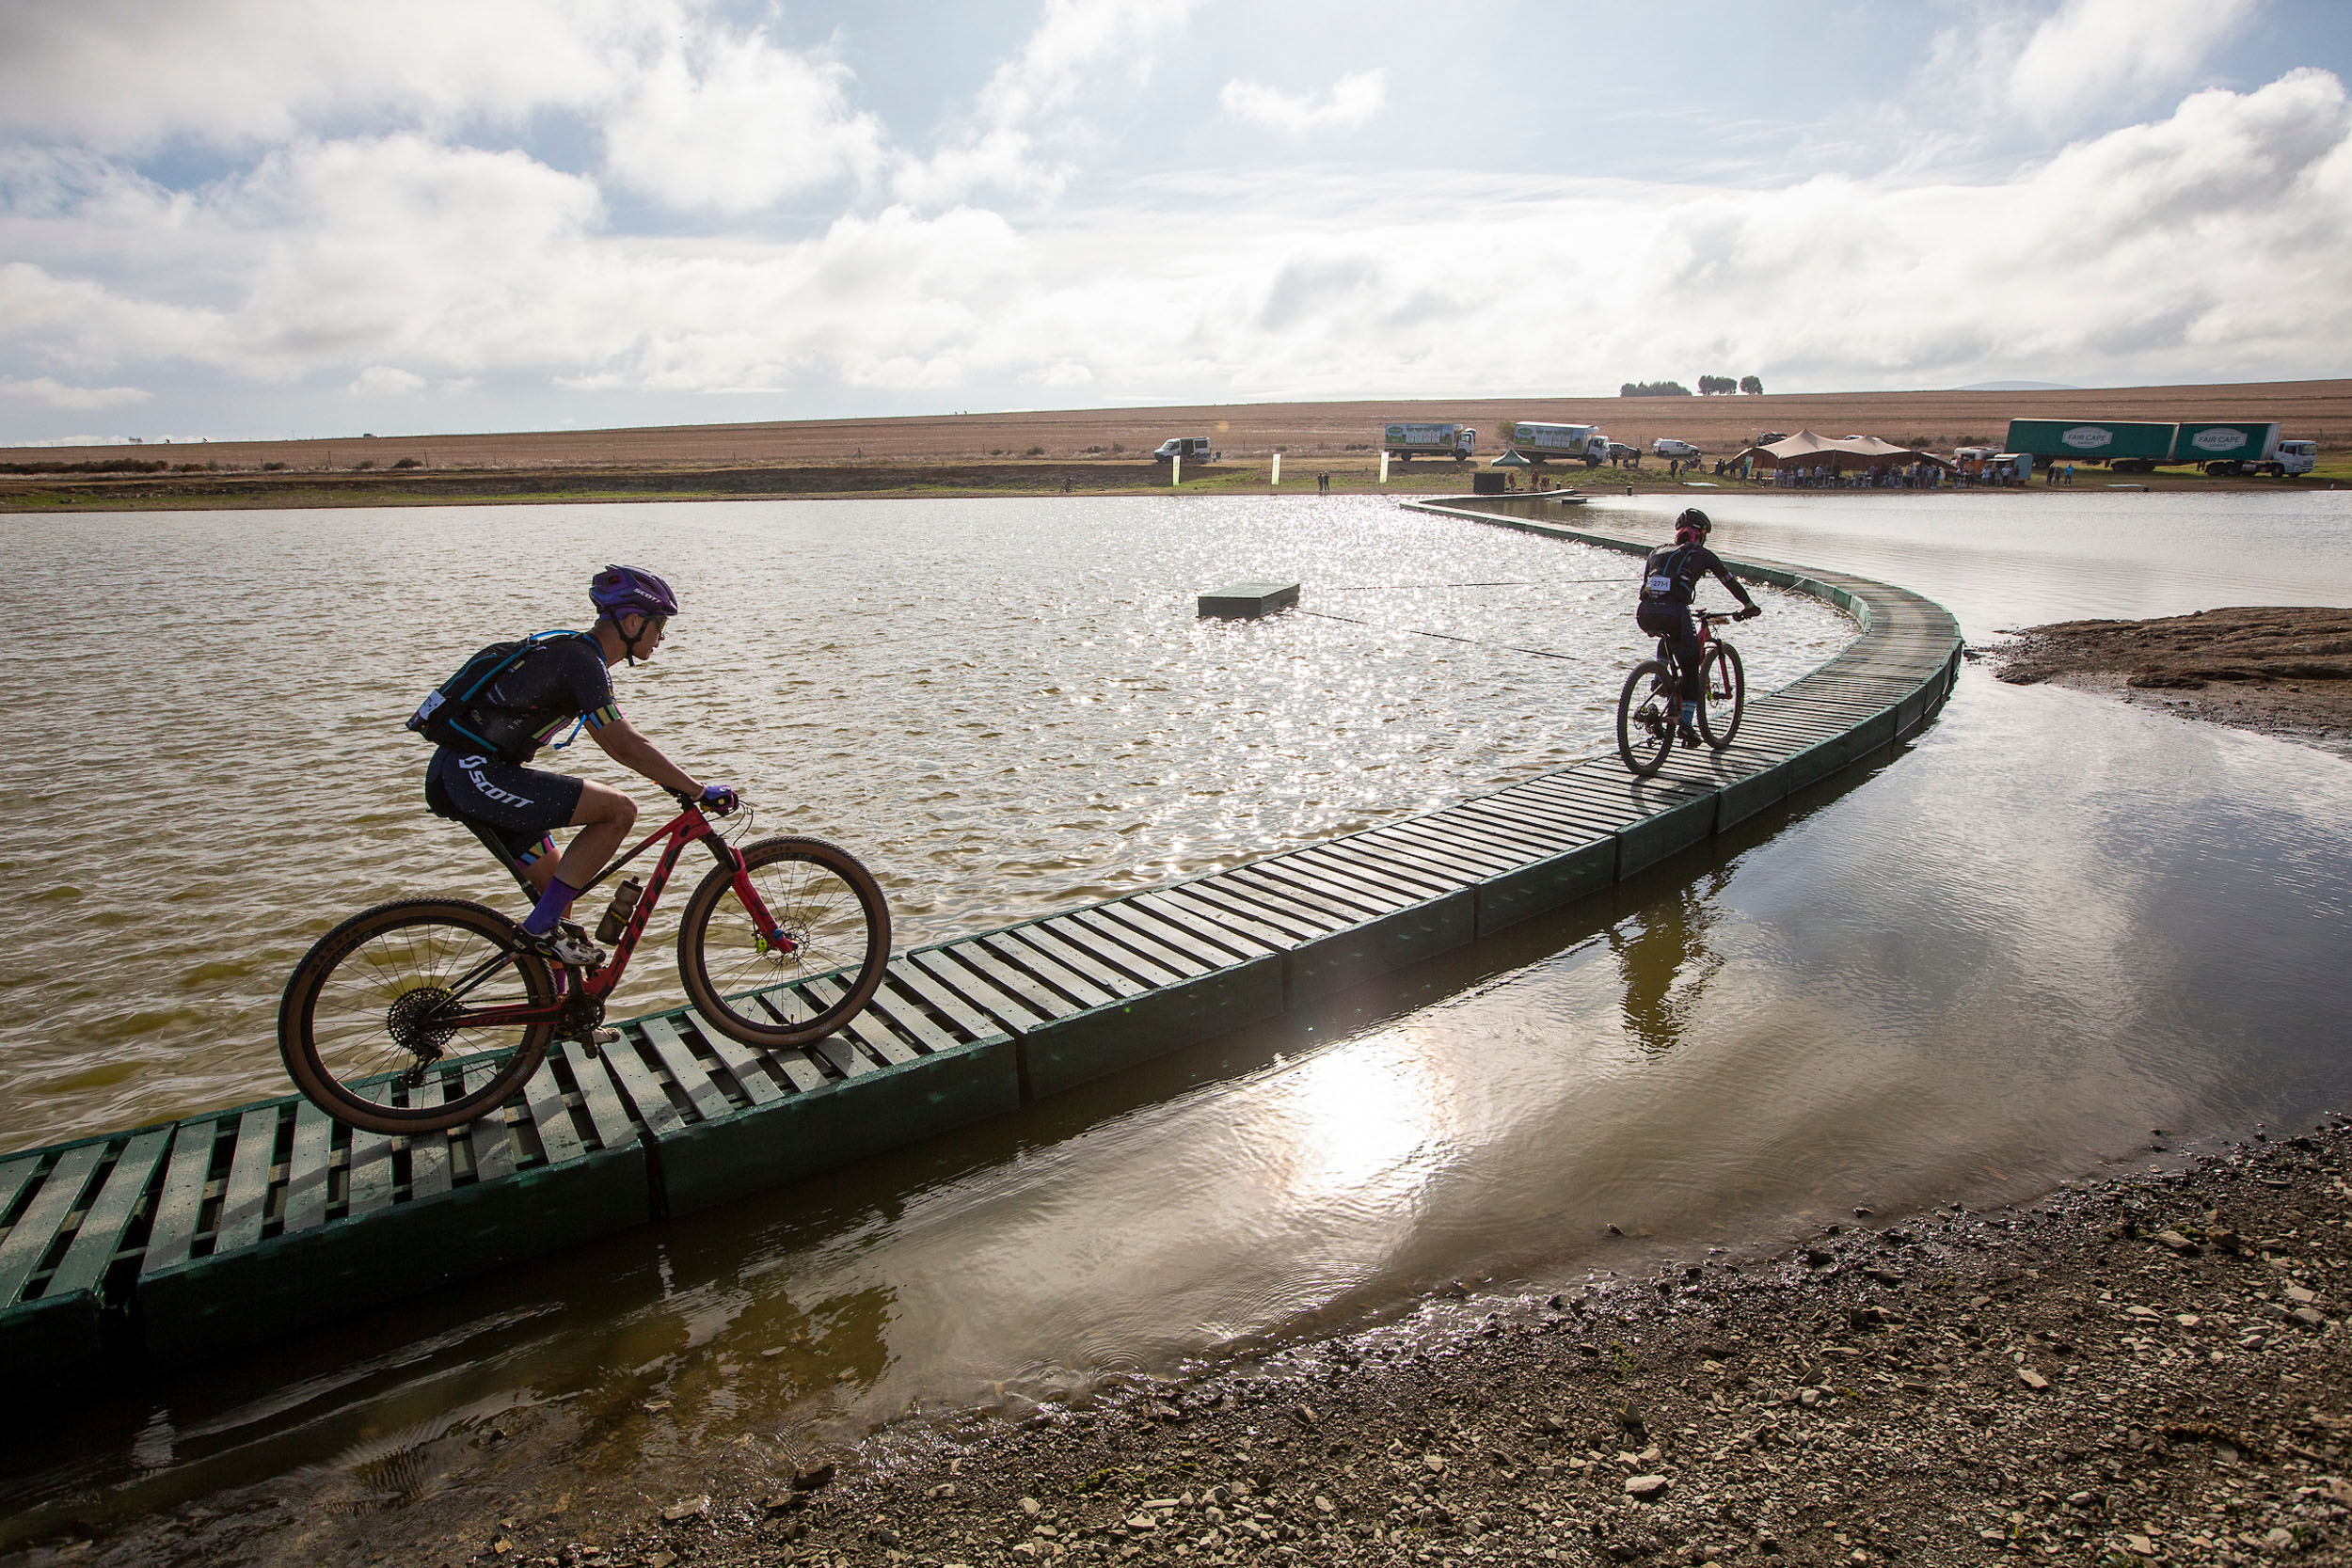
x=1667 y=447
x=1187 y=446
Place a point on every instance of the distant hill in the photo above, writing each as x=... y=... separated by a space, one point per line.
x=2018 y=387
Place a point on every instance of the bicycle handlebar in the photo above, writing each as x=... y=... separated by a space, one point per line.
x=741 y=800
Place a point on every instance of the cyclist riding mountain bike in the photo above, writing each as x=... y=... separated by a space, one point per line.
x=558 y=680
x=1670 y=580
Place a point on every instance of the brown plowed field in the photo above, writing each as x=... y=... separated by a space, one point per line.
x=2314 y=410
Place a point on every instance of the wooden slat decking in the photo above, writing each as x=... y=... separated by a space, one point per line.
x=227 y=1228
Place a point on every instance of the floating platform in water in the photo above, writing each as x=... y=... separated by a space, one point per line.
x=159 y=1245
x=1249 y=600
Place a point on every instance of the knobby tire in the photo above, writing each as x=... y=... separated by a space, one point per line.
x=1643 y=746
x=1722 y=690
x=336 y=1027
x=832 y=906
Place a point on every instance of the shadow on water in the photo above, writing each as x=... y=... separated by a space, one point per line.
x=2052 y=925
x=680 y=1315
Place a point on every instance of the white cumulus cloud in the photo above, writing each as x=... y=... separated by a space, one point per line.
x=119 y=75
x=734 y=124
x=2053 y=70
x=386 y=381
x=56 y=394
x=1025 y=104
x=1352 y=101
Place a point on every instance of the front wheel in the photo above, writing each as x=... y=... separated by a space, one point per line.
x=832 y=923
x=384 y=1004
x=1647 y=711
x=1723 y=693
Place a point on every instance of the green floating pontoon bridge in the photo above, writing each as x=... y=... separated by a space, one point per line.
x=200 y=1236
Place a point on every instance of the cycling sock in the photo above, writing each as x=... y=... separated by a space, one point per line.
x=553 y=906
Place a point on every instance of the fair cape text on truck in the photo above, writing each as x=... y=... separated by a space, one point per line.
x=1408 y=441
x=2132 y=447
x=1572 y=443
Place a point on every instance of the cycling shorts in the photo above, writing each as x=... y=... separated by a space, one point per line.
x=519 y=805
x=1673 y=622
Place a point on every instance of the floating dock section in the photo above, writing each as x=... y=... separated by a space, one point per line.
x=151 y=1246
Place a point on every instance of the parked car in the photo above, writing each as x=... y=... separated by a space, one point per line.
x=1193 y=446
x=1667 y=446
x=1620 y=452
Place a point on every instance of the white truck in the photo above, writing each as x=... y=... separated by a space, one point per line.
x=1572 y=443
x=1407 y=442
x=2297 y=457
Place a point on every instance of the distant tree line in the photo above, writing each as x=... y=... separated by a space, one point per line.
x=1709 y=386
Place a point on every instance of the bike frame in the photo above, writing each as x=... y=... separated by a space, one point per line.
x=688 y=826
x=1706 y=620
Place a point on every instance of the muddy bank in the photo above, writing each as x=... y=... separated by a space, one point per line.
x=2281 y=671
x=2148 y=1369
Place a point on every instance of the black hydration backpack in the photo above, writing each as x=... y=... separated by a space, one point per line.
x=450 y=714
x=1661 y=575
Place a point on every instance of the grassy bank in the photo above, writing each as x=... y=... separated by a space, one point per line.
x=1354 y=473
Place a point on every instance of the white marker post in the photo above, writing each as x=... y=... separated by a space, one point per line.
x=1384 y=466
x=1277 y=467
x=1176 y=470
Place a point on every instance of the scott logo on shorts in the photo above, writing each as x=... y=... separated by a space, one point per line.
x=489 y=791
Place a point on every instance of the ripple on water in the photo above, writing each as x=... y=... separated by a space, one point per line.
x=1005 y=707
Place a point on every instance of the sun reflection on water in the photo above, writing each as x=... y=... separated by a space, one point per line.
x=1363 y=1127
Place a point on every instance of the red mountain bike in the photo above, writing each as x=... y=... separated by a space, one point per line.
x=428 y=1013
x=1650 y=706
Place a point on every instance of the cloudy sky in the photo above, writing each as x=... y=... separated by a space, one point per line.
x=271 y=217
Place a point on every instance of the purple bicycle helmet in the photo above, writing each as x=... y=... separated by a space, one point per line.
x=619 y=591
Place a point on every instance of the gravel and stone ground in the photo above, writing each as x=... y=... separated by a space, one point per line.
x=2142 y=1369
x=2281 y=671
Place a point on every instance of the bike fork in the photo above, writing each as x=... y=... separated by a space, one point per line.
x=764 y=925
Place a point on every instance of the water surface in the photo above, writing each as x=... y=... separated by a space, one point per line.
x=2051 y=926
x=1007 y=707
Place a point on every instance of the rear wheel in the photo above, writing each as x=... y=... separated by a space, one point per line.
x=835 y=929
x=1647 y=711
x=1723 y=693
x=373 y=1025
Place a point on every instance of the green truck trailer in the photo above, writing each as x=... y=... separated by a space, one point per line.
x=2092 y=440
x=2229 y=447
x=2217 y=446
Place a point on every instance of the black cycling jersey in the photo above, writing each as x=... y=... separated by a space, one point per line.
x=560 y=681
x=1671 y=575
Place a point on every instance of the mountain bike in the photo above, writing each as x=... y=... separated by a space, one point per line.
x=1650 y=706
x=426 y=1014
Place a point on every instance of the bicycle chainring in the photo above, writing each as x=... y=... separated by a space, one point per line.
x=583 y=1015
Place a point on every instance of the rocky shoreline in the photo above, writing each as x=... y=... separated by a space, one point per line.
x=2147 y=1368
x=2279 y=671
